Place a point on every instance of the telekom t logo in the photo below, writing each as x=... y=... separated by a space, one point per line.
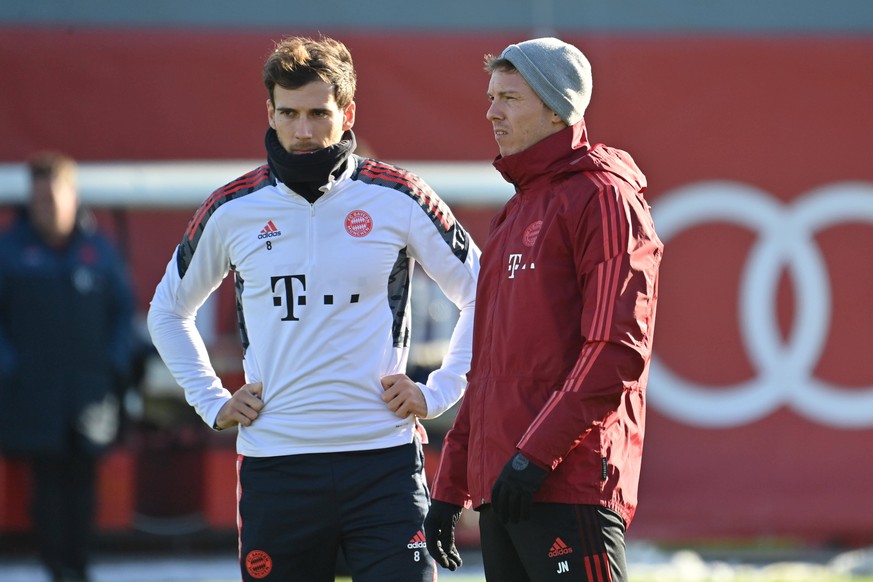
x=515 y=264
x=514 y=261
x=284 y=288
x=288 y=283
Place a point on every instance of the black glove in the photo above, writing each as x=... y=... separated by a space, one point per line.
x=439 y=531
x=512 y=495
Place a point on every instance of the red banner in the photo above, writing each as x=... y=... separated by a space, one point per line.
x=760 y=167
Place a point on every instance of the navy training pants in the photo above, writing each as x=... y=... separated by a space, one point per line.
x=297 y=511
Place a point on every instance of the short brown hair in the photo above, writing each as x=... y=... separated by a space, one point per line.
x=51 y=165
x=493 y=63
x=297 y=61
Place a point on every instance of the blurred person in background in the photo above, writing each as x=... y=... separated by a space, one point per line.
x=548 y=440
x=322 y=243
x=66 y=310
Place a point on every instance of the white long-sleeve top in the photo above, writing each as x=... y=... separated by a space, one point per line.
x=323 y=304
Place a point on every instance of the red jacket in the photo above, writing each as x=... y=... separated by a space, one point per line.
x=565 y=312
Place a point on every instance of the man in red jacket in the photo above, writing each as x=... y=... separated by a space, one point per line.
x=548 y=440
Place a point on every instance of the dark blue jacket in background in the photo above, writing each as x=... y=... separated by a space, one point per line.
x=65 y=339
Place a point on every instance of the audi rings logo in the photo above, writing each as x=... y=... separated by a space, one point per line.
x=785 y=366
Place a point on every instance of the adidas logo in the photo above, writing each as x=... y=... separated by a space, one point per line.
x=417 y=541
x=270 y=230
x=559 y=548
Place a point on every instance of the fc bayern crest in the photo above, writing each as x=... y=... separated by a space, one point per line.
x=358 y=223
x=531 y=233
x=259 y=564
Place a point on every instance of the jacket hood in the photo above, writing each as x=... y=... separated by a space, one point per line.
x=568 y=151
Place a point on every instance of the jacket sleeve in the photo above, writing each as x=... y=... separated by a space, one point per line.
x=191 y=277
x=450 y=481
x=122 y=306
x=617 y=255
x=450 y=257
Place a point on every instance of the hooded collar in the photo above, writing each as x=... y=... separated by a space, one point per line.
x=568 y=151
x=306 y=174
x=545 y=157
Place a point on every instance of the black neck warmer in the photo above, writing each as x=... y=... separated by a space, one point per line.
x=306 y=173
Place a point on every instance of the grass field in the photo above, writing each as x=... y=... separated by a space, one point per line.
x=774 y=573
x=759 y=577
x=760 y=563
x=223 y=569
x=756 y=577
x=685 y=566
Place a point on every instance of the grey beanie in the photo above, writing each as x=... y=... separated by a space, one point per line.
x=558 y=73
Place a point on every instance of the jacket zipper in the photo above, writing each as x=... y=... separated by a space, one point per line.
x=508 y=229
